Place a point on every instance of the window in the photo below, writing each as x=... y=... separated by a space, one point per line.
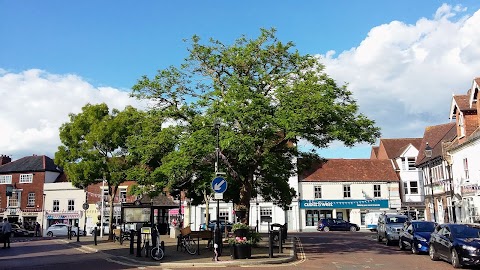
x=346 y=191
x=411 y=164
x=318 y=192
x=265 y=214
x=13 y=201
x=405 y=188
x=26 y=178
x=223 y=215
x=465 y=168
x=123 y=195
x=56 y=205
x=5 y=179
x=377 y=193
x=31 y=199
x=71 y=205
x=414 y=187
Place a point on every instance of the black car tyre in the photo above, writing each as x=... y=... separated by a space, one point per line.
x=400 y=244
x=414 y=248
x=49 y=234
x=455 y=259
x=432 y=253
x=387 y=242
x=326 y=229
x=353 y=229
x=73 y=234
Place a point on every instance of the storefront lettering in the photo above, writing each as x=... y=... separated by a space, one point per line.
x=318 y=204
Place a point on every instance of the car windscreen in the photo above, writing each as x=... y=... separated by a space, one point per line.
x=396 y=219
x=424 y=226
x=465 y=231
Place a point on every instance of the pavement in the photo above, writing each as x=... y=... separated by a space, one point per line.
x=121 y=253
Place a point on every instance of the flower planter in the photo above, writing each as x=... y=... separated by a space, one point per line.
x=240 y=232
x=241 y=251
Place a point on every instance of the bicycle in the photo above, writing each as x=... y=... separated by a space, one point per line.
x=157 y=252
x=187 y=241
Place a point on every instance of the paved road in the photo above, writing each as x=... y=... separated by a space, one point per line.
x=319 y=250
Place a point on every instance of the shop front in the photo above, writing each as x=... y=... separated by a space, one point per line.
x=350 y=210
x=65 y=217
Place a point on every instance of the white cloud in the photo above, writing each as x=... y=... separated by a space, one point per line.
x=35 y=103
x=403 y=75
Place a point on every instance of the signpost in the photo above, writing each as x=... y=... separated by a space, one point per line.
x=219 y=186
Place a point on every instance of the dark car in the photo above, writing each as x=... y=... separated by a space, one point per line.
x=415 y=236
x=213 y=223
x=336 y=224
x=456 y=243
x=18 y=230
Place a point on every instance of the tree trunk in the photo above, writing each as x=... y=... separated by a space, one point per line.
x=245 y=196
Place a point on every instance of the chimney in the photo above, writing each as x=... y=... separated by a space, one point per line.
x=4 y=159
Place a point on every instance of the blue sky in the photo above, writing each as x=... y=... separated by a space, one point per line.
x=55 y=56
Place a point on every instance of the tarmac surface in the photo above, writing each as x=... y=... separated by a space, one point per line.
x=177 y=258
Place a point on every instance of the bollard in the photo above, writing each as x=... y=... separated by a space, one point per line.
x=132 y=235
x=139 y=243
x=270 y=244
x=78 y=234
x=147 y=248
x=162 y=246
x=280 y=240
x=95 y=235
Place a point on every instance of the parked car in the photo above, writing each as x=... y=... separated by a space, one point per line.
x=456 y=243
x=213 y=223
x=61 y=229
x=18 y=230
x=415 y=236
x=389 y=227
x=336 y=224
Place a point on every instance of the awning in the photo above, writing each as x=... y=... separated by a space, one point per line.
x=63 y=215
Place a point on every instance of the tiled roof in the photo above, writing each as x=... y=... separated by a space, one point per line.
x=352 y=170
x=374 y=153
x=30 y=164
x=160 y=200
x=393 y=148
x=462 y=102
x=435 y=135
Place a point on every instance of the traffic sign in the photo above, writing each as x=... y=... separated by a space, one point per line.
x=219 y=185
x=85 y=206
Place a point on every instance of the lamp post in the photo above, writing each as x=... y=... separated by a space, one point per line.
x=101 y=210
x=43 y=213
x=428 y=154
x=217 y=234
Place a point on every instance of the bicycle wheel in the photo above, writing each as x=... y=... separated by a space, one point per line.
x=157 y=253
x=190 y=246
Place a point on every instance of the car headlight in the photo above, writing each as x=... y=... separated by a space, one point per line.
x=469 y=248
x=419 y=238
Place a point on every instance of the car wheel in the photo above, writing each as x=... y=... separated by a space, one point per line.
x=49 y=234
x=379 y=238
x=432 y=253
x=400 y=244
x=326 y=229
x=414 y=248
x=388 y=242
x=353 y=229
x=73 y=234
x=455 y=259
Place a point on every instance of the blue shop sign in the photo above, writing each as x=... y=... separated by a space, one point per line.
x=357 y=204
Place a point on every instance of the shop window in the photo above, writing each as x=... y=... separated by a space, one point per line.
x=31 y=199
x=56 y=206
x=377 y=193
x=362 y=218
x=318 y=192
x=265 y=214
x=346 y=191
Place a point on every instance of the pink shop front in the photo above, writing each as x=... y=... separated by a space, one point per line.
x=66 y=217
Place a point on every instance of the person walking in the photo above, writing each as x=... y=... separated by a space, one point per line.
x=7 y=231
x=37 y=229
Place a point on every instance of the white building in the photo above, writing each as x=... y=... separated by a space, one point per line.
x=347 y=189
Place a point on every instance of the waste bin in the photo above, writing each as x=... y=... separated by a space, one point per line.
x=275 y=229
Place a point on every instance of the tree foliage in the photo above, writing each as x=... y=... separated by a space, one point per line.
x=266 y=96
x=94 y=147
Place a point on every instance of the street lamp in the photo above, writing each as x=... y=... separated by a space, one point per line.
x=428 y=154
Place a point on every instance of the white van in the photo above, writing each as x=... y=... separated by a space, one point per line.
x=371 y=220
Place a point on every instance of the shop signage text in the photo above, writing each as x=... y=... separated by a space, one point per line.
x=360 y=204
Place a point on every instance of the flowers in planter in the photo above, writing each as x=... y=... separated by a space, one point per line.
x=237 y=226
x=239 y=241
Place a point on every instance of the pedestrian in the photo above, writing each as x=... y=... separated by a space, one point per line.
x=7 y=231
x=37 y=229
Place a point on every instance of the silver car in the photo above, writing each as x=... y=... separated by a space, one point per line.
x=61 y=229
x=389 y=227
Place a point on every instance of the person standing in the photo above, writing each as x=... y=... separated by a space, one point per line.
x=37 y=229
x=7 y=231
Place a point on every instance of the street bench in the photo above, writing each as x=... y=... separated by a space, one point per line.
x=197 y=235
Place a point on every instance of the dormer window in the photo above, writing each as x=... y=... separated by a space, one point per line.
x=408 y=163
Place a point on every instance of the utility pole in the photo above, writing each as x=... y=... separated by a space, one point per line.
x=217 y=233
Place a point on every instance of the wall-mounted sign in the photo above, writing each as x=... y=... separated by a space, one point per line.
x=345 y=204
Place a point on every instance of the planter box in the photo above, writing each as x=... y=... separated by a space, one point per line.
x=241 y=251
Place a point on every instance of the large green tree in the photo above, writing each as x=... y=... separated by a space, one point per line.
x=265 y=96
x=94 y=147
